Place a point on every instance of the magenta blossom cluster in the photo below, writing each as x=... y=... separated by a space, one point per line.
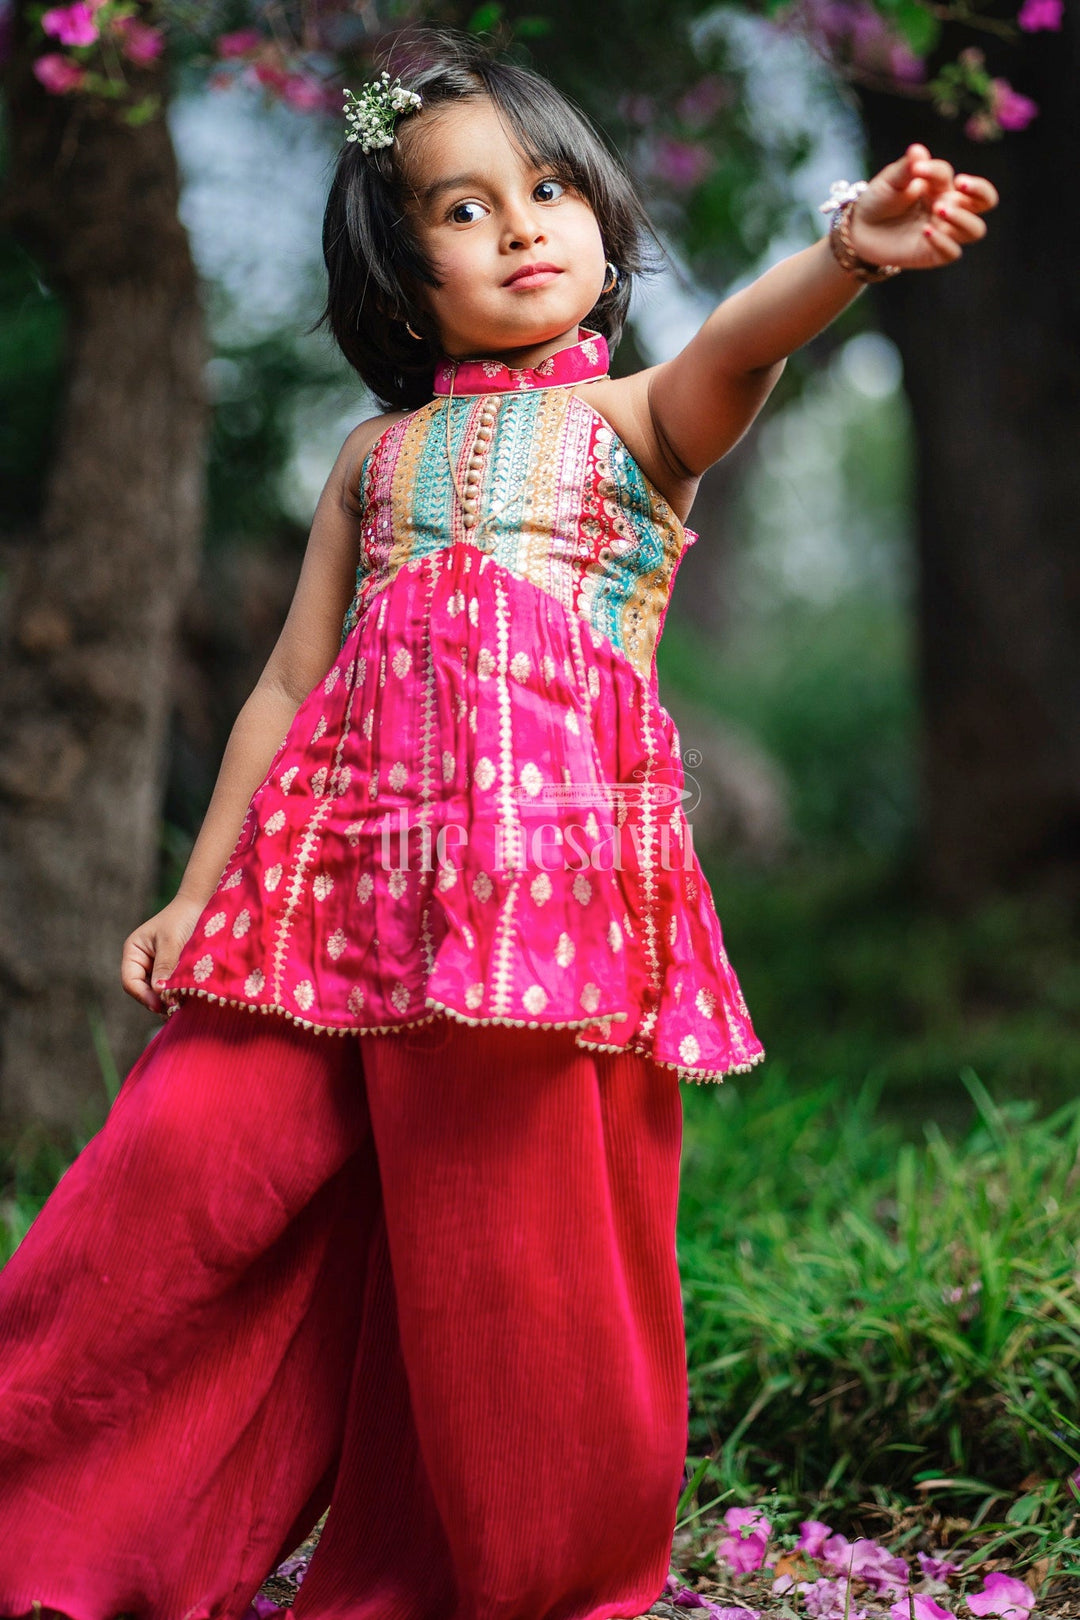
x=1036 y=14
x=86 y=24
x=744 y=1546
x=254 y=59
x=685 y=1597
x=264 y=1608
x=857 y=31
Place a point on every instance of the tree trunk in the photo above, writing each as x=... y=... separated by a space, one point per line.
x=89 y=612
x=991 y=351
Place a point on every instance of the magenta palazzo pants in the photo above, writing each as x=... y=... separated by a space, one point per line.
x=427 y=1280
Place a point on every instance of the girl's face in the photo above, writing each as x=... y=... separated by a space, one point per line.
x=483 y=213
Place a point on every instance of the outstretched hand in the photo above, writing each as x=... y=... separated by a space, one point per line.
x=918 y=213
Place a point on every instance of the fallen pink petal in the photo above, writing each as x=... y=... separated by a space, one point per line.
x=1002 y=1595
x=920 y=1607
x=936 y=1569
x=829 y=1600
x=812 y=1537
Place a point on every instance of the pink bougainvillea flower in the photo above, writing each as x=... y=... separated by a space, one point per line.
x=71 y=25
x=836 y=1550
x=263 y=1608
x=140 y=43
x=302 y=93
x=936 y=1569
x=58 y=73
x=685 y=1597
x=698 y=104
x=681 y=164
x=240 y=43
x=1009 y=107
x=829 y=1600
x=924 y=1609
x=270 y=76
x=869 y=1561
x=885 y=1574
x=1002 y=1595
x=905 y=65
x=744 y=1553
x=637 y=108
x=1035 y=14
x=812 y=1537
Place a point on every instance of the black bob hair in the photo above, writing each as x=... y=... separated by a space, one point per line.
x=373 y=261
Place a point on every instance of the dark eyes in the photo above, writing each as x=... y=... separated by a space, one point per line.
x=549 y=190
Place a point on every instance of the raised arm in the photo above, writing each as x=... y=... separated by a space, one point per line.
x=915 y=213
x=306 y=648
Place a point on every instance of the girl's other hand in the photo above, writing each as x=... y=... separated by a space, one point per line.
x=918 y=214
x=151 y=951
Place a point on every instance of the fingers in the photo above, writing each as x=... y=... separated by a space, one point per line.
x=918 y=175
x=137 y=965
x=164 y=963
x=961 y=223
x=899 y=174
x=939 y=239
x=979 y=193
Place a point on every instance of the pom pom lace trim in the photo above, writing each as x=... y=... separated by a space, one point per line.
x=171 y=994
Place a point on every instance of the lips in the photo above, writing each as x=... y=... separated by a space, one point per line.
x=527 y=273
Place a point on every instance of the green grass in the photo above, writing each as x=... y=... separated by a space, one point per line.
x=828 y=1358
x=848 y=974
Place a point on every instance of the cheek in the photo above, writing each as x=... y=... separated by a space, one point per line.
x=457 y=267
x=585 y=233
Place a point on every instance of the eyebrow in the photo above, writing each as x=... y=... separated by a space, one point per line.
x=427 y=194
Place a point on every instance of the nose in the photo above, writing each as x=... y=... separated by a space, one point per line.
x=523 y=225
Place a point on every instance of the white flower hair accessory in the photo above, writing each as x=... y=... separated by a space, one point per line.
x=371 y=114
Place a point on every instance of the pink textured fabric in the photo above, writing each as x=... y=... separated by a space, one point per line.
x=477 y=813
x=582 y=361
x=278 y=1280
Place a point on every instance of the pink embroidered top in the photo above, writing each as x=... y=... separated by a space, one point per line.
x=476 y=814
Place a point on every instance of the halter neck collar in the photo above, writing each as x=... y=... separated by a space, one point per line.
x=578 y=362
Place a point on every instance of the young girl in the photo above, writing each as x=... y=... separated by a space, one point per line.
x=406 y=1246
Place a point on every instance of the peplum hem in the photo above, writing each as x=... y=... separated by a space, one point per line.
x=174 y=994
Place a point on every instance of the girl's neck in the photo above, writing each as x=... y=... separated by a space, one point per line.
x=524 y=358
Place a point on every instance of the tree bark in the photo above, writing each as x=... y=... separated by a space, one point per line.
x=89 y=611
x=991 y=352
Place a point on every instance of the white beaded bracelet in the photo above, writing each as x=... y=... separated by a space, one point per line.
x=839 y=203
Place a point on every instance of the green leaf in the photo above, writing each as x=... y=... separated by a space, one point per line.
x=919 y=29
x=484 y=17
x=141 y=112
